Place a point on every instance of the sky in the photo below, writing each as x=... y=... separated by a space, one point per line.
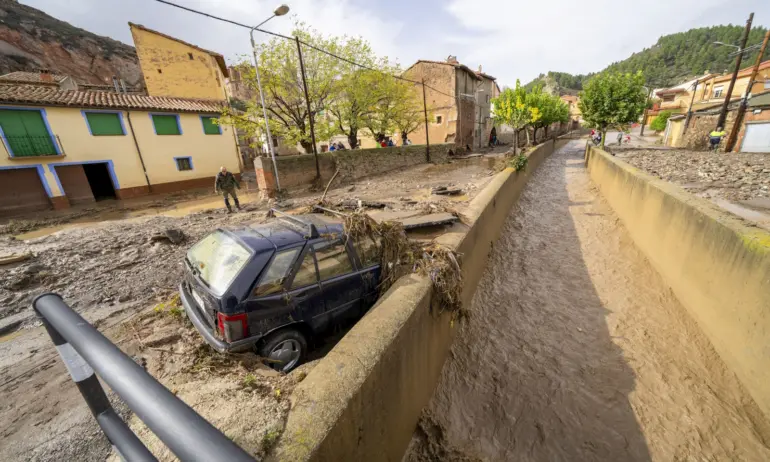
x=511 y=39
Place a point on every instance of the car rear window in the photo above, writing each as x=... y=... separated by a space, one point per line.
x=217 y=259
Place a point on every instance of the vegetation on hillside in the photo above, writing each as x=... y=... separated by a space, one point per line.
x=673 y=59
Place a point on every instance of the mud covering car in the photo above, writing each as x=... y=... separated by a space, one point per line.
x=276 y=287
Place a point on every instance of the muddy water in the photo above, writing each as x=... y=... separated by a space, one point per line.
x=577 y=350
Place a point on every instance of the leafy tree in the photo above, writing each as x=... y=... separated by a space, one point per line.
x=511 y=108
x=397 y=108
x=612 y=100
x=659 y=123
x=549 y=108
x=282 y=85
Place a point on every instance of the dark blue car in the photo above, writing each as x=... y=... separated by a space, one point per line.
x=274 y=287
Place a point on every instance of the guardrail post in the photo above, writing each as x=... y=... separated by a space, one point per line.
x=123 y=440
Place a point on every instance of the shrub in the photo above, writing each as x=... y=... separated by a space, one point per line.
x=659 y=123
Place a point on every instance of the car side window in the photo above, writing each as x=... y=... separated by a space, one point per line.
x=273 y=279
x=368 y=251
x=333 y=259
x=306 y=274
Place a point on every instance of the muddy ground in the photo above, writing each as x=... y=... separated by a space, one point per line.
x=732 y=176
x=116 y=268
x=577 y=350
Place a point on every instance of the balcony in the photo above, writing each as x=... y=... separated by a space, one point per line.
x=671 y=105
x=20 y=146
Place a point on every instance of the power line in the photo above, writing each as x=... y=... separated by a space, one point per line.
x=230 y=21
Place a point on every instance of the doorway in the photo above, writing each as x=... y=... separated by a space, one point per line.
x=100 y=181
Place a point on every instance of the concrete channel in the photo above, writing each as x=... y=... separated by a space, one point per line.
x=578 y=349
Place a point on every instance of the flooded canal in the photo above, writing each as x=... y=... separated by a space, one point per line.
x=577 y=350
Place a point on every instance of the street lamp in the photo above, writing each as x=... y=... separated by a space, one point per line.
x=280 y=11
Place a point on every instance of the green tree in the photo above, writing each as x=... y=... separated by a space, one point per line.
x=550 y=109
x=659 y=123
x=612 y=100
x=510 y=108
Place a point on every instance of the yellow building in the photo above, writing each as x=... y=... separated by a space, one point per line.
x=175 y=68
x=67 y=146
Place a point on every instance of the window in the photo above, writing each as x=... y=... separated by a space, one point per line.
x=218 y=258
x=438 y=119
x=209 y=127
x=183 y=163
x=718 y=91
x=368 y=251
x=306 y=274
x=160 y=71
x=104 y=123
x=332 y=260
x=272 y=281
x=166 y=124
x=190 y=56
x=26 y=133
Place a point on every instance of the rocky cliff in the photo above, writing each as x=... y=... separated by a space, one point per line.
x=31 y=39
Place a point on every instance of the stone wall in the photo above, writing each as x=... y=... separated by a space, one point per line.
x=696 y=137
x=298 y=171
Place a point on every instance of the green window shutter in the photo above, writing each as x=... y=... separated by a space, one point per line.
x=209 y=127
x=166 y=124
x=104 y=123
x=26 y=133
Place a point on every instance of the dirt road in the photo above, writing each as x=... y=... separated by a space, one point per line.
x=577 y=350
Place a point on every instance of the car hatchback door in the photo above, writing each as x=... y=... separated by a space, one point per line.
x=342 y=286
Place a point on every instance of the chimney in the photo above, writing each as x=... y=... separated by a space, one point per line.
x=115 y=84
x=123 y=85
x=451 y=59
x=45 y=75
x=479 y=68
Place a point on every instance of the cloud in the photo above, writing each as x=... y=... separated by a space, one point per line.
x=522 y=39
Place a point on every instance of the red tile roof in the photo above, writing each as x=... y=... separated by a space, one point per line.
x=53 y=96
x=744 y=72
x=473 y=73
x=31 y=77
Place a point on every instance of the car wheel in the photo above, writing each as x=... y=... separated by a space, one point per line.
x=284 y=350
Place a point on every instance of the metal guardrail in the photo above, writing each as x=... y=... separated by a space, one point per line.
x=87 y=353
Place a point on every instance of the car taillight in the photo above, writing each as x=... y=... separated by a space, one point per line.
x=233 y=327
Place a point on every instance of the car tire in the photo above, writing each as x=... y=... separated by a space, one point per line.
x=283 y=350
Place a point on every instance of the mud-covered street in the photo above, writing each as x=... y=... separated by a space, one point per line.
x=119 y=267
x=577 y=350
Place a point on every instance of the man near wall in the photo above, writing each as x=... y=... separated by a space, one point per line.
x=226 y=183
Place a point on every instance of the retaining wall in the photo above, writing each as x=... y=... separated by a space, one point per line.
x=718 y=267
x=362 y=401
x=353 y=164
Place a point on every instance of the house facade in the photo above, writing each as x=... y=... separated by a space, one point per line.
x=63 y=142
x=574 y=109
x=459 y=102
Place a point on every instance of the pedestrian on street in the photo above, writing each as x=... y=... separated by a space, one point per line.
x=226 y=183
x=715 y=138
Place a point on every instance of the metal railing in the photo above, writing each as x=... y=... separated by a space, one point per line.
x=29 y=146
x=87 y=353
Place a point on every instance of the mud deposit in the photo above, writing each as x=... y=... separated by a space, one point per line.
x=577 y=350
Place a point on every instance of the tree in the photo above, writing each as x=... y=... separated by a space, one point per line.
x=612 y=100
x=659 y=123
x=283 y=88
x=510 y=108
x=549 y=109
x=397 y=107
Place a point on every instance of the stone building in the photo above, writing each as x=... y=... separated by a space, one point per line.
x=459 y=102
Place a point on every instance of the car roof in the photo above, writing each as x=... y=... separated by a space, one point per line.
x=279 y=233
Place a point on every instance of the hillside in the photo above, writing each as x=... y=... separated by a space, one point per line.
x=31 y=39
x=673 y=58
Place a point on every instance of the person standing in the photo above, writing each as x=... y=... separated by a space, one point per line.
x=226 y=183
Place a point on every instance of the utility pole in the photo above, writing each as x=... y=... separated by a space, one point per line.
x=309 y=111
x=425 y=111
x=738 y=59
x=744 y=102
x=689 y=109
